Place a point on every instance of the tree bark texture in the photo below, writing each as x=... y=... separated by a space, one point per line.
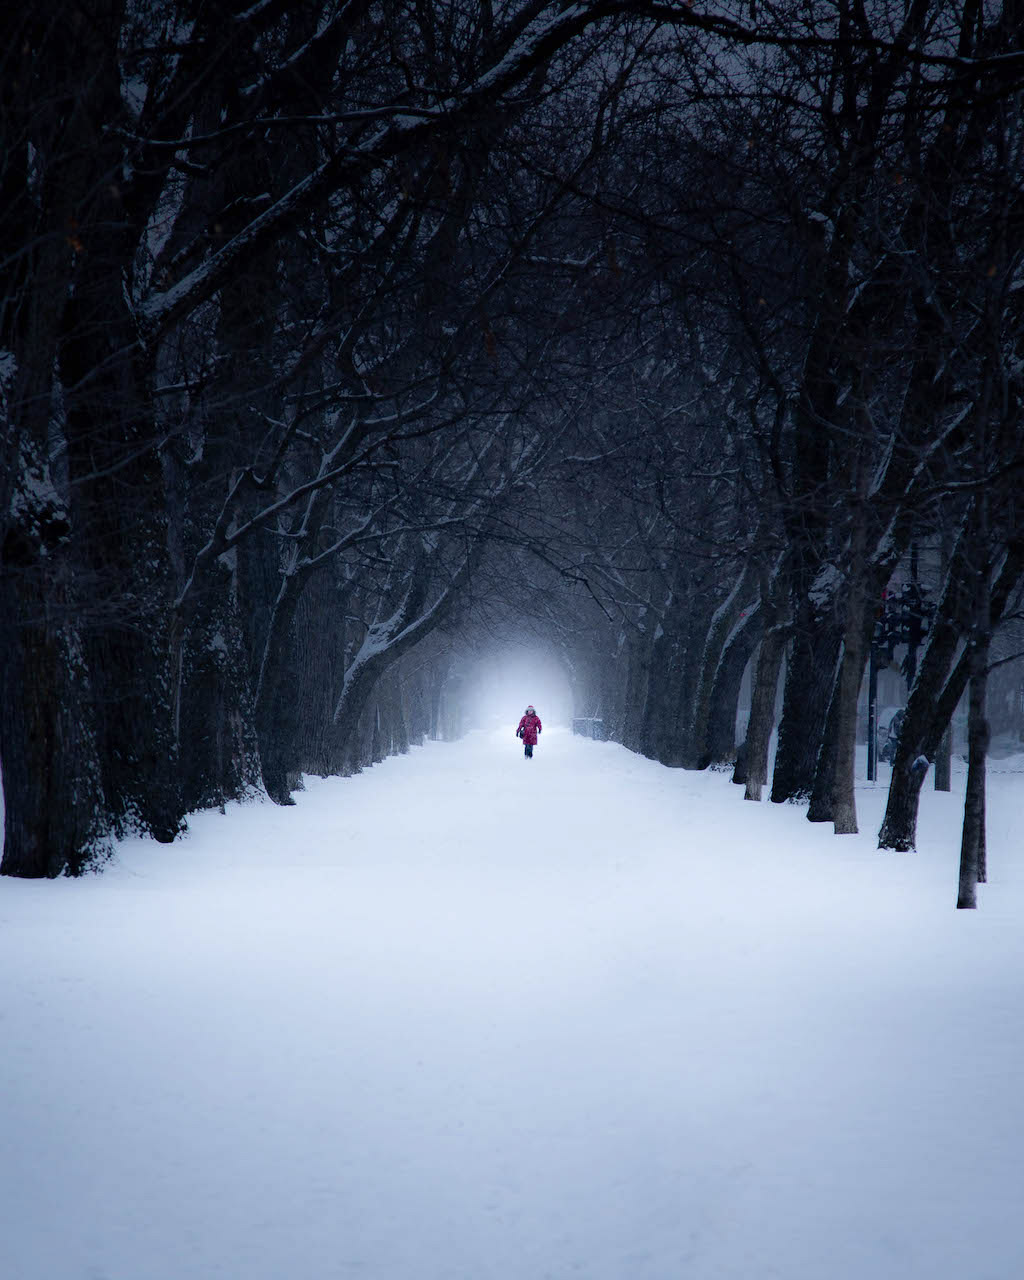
x=972 y=843
x=821 y=802
x=810 y=676
x=899 y=825
x=944 y=761
x=720 y=742
x=720 y=631
x=52 y=784
x=937 y=691
x=762 y=708
x=638 y=647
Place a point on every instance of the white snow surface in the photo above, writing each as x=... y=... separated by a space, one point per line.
x=468 y=1017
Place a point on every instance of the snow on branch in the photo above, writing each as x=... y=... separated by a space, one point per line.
x=549 y=30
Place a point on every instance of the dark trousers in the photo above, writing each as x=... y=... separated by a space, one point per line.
x=528 y=751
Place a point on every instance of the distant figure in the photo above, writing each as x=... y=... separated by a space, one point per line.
x=529 y=730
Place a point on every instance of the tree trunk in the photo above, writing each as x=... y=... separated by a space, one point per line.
x=53 y=796
x=720 y=633
x=944 y=761
x=276 y=721
x=436 y=689
x=660 y=693
x=720 y=741
x=638 y=672
x=821 y=802
x=378 y=735
x=739 y=767
x=856 y=641
x=844 y=807
x=972 y=844
x=899 y=826
x=681 y=748
x=810 y=677
x=931 y=703
x=762 y=708
x=858 y=627
x=218 y=751
x=944 y=756
x=973 y=869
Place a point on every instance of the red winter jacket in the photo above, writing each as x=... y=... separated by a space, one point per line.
x=529 y=728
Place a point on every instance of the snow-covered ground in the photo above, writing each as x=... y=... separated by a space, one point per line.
x=465 y=1017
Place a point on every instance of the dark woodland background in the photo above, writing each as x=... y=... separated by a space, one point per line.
x=338 y=339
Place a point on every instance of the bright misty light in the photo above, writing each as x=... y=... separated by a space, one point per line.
x=502 y=684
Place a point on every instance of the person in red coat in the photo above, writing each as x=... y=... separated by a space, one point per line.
x=529 y=730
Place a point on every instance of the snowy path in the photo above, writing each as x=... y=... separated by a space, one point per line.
x=468 y=1018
